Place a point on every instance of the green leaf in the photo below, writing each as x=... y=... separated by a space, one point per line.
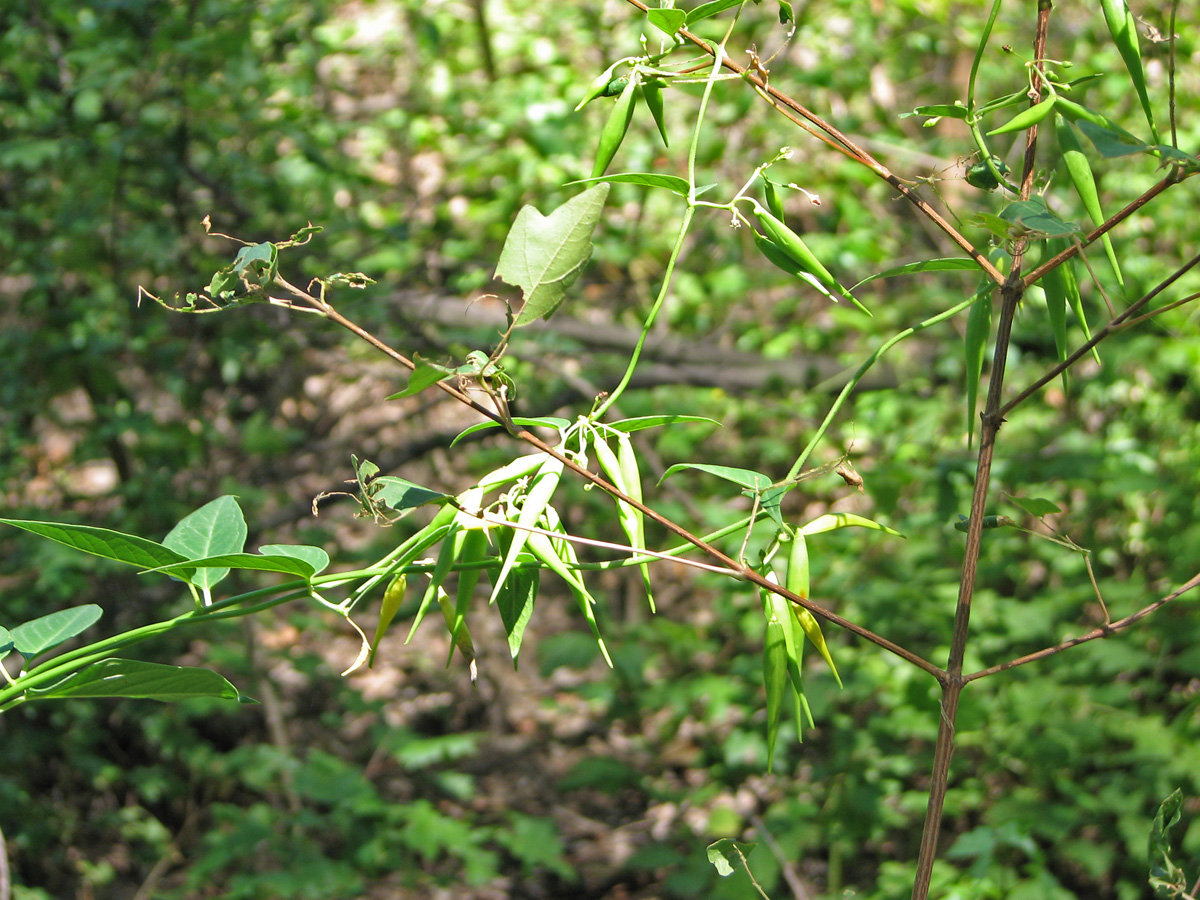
x=1166 y=877
x=1035 y=215
x=939 y=110
x=402 y=495
x=726 y=854
x=6 y=642
x=256 y=259
x=140 y=680
x=514 y=595
x=979 y=327
x=314 y=556
x=35 y=637
x=216 y=528
x=424 y=375
x=834 y=521
x=770 y=500
x=1112 y=144
x=775 y=677
x=950 y=264
x=125 y=548
x=289 y=565
x=668 y=20
x=1036 y=506
x=753 y=481
x=638 y=423
x=524 y=421
x=543 y=255
x=670 y=182
x=705 y=10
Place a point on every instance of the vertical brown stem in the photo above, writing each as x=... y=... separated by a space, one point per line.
x=952 y=684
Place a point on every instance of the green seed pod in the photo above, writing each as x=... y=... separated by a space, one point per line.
x=614 y=129
x=652 y=93
x=615 y=86
x=1027 y=118
x=597 y=88
x=980 y=176
x=774 y=203
x=795 y=249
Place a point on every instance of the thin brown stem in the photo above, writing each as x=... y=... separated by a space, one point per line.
x=1102 y=632
x=1121 y=321
x=1175 y=176
x=1010 y=296
x=844 y=145
x=733 y=566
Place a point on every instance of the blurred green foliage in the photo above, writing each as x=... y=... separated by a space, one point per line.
x=414 y=134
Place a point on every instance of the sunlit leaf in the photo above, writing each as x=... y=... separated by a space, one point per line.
x=543 y=255
x=38 y=635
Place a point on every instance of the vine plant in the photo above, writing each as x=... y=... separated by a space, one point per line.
x=507 y=526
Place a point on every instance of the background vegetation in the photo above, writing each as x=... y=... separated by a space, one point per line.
x=413 y=133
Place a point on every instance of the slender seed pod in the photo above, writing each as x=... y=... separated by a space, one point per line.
x=775 y=677
x=797 y=581
x=1123 y=28
x=614 y=129
x=774 y=203
x=1027 y=118
x=596 y=89
x=393 y=596
x=652 y=93
x=1080 y=171
x=795 y=248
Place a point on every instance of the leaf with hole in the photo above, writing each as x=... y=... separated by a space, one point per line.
x=544 y=255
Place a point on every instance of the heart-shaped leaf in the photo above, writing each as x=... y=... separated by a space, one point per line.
x=543 y=255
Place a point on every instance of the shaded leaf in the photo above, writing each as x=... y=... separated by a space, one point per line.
x=556 y=422
x=288 y=565
x=114 y=545
x=140 y=680
x=637 y=424
x=1035 y=506
x=950 y=264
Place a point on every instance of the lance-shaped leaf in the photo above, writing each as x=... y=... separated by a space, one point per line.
x=288 y=565
x=35 y=637
x=314 y=556
x=514 y=595
x=140 y=680
x=543 y=255
x=114 y=545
